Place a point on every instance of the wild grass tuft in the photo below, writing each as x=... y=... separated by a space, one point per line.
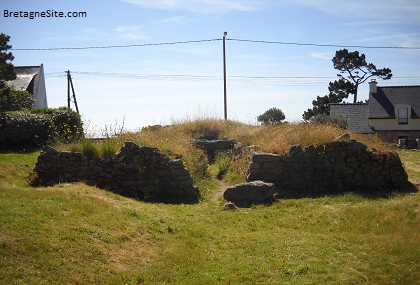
x=108 y=148
x=89 y=148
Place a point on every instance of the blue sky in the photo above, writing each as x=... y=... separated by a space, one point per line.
x=160 y=84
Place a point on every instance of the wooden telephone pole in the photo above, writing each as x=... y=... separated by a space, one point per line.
x=224 y=75
x=70 y=83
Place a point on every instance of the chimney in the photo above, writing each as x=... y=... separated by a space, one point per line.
x=372 y=86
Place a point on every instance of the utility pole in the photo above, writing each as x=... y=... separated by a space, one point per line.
x=70 y=84
x=68 y=88
x=224 y=73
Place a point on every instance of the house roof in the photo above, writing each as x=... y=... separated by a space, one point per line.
x=381 y=104
x=357 y=116
x=26 y=78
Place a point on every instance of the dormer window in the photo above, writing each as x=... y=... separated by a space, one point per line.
x=402 y=116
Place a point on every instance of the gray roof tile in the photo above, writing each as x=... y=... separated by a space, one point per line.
x=381 y=104
x=25 y=77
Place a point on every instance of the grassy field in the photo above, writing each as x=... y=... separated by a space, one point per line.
x=76 y=234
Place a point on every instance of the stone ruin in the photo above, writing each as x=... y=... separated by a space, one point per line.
x=212 y=145
x=340 y=166
x=140 y=172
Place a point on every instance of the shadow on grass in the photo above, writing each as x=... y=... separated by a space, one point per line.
x=386 y=193
x=144 y=197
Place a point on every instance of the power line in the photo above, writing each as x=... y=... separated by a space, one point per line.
x=212 y=40
x=117 y=46
x=139 y=75
x=322 y=45
x=181 y=76
x=234 y=79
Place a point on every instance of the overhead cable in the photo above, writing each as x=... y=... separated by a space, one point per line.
x=233 y=79
x=118 y=46
x=322 y=45
x=212 y=40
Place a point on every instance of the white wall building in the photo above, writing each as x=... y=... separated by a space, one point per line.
x=31 y=79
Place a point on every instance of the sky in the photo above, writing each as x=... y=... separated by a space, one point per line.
x=161 y=61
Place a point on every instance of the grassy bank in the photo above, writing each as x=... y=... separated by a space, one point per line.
x=76 y=234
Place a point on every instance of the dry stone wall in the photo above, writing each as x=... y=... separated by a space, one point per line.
x=135 y=171
x=342 y=165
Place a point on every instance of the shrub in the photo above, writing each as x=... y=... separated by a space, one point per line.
x=339 y=120
x=67 y=126
x=272 y=116
x=23 y=128
x=40 y=126
x=15 y=100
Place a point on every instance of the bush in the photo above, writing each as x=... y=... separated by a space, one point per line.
x=67 y=125
x=15 y=100
x=39 y=127
x=23 y=128
x=339 y=120
x=272 y=116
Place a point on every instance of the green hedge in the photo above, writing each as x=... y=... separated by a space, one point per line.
x=338 y=120
x=39 y=127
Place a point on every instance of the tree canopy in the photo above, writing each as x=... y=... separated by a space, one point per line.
x=7 y=71
x=11 y=99
x=272 y=116
x=321 y=106
x=354 y=70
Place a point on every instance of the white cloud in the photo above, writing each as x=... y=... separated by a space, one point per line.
x=97 y=34
x=133 y=32
x=323 y=55
x=197 y=6
x=399 y=40
x=371 y=23
x=172 y=20
x=405 y=11
x=91 y=34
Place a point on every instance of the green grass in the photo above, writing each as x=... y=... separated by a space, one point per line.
x=411 y=161
x=77 y=234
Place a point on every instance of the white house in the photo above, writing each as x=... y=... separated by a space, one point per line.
x=392 y=111
x=31 y=79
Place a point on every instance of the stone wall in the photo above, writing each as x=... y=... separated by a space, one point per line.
x=135 y=171
x=342 y=165
x=394 y=136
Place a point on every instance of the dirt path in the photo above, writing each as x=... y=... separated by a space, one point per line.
x=219 y=193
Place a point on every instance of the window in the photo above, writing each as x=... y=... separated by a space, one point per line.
x=403 y=116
